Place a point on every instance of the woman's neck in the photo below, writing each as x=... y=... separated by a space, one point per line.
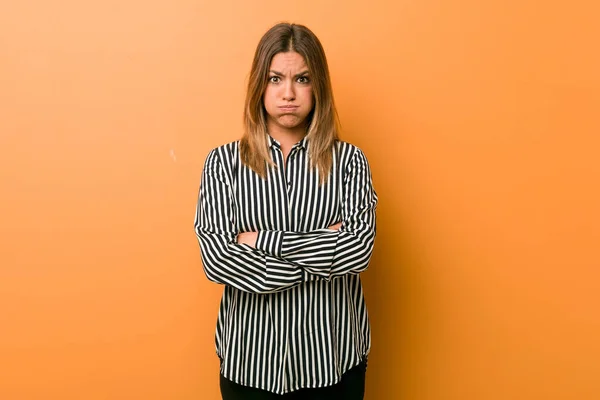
x=287 y=138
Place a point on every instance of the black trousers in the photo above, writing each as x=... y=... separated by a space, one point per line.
x=351 y=387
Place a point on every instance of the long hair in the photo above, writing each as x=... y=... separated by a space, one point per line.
x=323 y=124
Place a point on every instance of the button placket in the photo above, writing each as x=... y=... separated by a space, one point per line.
x=288 y=178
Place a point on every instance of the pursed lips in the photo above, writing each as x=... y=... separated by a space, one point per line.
x=288 y=108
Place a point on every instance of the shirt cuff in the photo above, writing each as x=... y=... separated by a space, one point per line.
x=270 y=242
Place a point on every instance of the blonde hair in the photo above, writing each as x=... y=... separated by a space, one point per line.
x=323 y=124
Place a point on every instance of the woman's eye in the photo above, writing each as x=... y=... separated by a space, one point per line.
x=303 y=79
x=274 y=79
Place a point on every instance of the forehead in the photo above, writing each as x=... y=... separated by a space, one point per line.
x=288 y=61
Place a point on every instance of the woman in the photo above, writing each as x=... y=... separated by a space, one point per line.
x=286 y=221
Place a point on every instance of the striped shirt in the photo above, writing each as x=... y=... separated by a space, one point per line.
x=292 y=314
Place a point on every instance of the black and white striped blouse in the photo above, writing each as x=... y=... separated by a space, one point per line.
x=293 y=313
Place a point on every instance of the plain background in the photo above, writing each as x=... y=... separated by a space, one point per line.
x=479 y=118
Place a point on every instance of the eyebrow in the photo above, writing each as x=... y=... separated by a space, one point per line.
x=296 y=76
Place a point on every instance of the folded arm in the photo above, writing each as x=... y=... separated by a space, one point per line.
x=224 y=260
x=331 y=252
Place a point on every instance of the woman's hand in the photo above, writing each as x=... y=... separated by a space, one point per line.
x=248 y=238
x=335 y=227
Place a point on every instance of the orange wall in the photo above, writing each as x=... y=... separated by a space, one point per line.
x=480 y=119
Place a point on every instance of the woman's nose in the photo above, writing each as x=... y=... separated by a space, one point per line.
x=288 y=92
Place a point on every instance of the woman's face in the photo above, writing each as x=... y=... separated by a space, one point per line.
x=288 y=98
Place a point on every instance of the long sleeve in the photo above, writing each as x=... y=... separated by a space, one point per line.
x=301 y=281
x=223 y=259
x=326 y=253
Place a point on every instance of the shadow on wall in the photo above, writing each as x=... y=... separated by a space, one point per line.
x=398 y=295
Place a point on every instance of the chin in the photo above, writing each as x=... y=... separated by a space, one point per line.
x=291 y=123
x=291 y=126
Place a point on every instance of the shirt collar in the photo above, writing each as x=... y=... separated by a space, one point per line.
x=303 y=144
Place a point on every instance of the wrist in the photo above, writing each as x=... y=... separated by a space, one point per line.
x=270 y=242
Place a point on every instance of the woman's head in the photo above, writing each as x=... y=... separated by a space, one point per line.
x=288 y=98
x=320 y=121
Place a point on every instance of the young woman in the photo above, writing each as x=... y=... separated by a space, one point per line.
x=286 y=221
